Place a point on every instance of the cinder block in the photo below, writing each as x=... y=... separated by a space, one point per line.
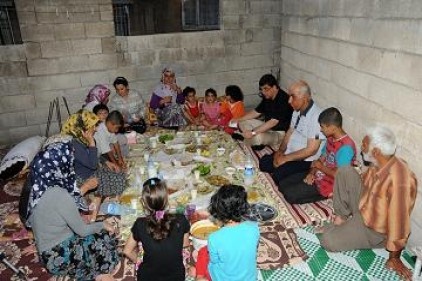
x=43 y=67
x=309 y=8
x=73 y=64
x=16 y=103
x=396 y=67
x=89 y=79
x=36 y=116
x=54 y=82
x=86 y=46
x=291 y=7
x=56 y=49
x=264 y=7
x=76 y=97
x=388 y=34
x=369 y=60
x=10 y=120
x=13 y=69
x=53 y=15
x=232 y=50
x=37 y=33
x=44 y=98
x=363 y=31
x=32 y=50
x=102 y=61
x=347 y=53
x=231 y=7
x=24 y=6
x=342 y=28
x=170 y=55
x=19 y=134
x=10 y=53
x=99 y=29
x=231 y=22
x=108 y=45
x=27 y=18
x=234 y=37
x=69 y=31
x=106 y=15
x=358 y=8
x=354 y=81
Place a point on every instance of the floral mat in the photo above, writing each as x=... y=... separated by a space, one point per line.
x=292 y=216
x=347 y=265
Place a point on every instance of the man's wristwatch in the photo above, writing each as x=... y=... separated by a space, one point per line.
x=253 y=133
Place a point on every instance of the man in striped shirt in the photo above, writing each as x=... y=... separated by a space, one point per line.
x=373 y=210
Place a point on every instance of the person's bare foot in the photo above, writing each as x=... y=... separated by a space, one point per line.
x=338 y=220
x=397 y=265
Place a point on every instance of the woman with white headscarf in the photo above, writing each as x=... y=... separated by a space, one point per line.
x=167 y=101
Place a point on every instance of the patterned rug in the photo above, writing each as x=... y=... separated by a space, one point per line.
x=347 y=265
x=293 y=216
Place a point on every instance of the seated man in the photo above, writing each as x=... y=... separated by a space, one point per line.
x=373 y=211
x=339 y=151
x=277 y=115
x=301 y=144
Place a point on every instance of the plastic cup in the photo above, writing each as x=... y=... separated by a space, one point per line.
x=194 y=193
x=197 y=174
x=134 y=203
x=190 y=210
x=146 y=157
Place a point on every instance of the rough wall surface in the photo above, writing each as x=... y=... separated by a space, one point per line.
x=364 y=57
x=70 y=45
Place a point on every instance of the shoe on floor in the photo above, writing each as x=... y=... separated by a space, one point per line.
x=258 y=147
x=237 y=137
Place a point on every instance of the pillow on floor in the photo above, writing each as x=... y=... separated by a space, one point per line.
x=20 y=156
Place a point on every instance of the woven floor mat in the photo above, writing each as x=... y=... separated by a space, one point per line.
x=347 y=265
x=293 y=216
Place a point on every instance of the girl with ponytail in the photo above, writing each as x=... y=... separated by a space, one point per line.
x=161 y=236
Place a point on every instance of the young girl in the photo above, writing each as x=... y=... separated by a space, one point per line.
x=210 y=110
x=232 y=248
x=191 y=108
x=163 y=237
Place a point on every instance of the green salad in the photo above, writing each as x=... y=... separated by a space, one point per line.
x=165 y=137
x=203 y=169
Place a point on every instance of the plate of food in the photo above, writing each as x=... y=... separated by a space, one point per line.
x=204 y=189
x=165 y=138
x=217 y=180
x=203 y=169
x=261 y=212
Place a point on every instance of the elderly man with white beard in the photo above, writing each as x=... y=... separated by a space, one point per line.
x=373 y=210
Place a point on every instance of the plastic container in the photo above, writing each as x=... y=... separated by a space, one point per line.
x=152 y=170
x=115 y=209
x=249 y=173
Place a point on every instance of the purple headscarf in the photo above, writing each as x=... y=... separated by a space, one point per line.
x=98 y=93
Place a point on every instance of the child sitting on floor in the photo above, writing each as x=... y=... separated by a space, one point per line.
x=106 y=138
x=191 y=107
x=230 y=258
x=233 y=105
x=101 y=110
x=210 y=109
x=164 y=237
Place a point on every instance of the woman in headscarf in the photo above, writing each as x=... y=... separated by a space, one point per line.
x=66 y=244
x=98 y=94
x=91 y=168
x=167 y=101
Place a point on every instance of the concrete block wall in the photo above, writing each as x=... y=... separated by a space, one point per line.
x=246 y=47
x=70 y=45
x=67 y=48
x=363 y=57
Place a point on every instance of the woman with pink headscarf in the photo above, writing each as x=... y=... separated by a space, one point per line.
x=98 y=94
x=167 y=101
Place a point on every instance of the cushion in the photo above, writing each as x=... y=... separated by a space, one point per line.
x=20 y=156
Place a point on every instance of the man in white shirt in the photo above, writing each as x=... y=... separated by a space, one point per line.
x=302 y=143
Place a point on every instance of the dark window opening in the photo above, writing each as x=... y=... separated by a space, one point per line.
x=140 y=17
x=9 y=24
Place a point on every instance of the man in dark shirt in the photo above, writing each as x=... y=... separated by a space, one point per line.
x=275 y=109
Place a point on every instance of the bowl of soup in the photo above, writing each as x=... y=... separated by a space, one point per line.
x=200 y=231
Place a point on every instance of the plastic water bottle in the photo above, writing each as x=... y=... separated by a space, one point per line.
x=248 y=175
x=152 y=170
x=115 y=209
